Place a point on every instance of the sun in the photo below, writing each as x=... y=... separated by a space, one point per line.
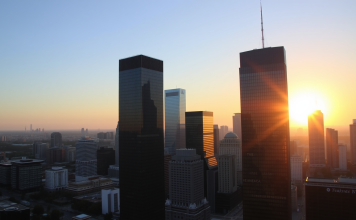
x=303 y=104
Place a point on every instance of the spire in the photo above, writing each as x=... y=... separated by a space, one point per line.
x=263 y=39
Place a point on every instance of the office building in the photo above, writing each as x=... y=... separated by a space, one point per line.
x=5 y=173
x=236 y=125
x=200 y=136
x=223 y=130
x=231 y=144
x=3 y=138
x=332 y=149
x=55 y=154
x=101 y=135
x=26 y=174
x=92 y=184
x=141 y=138
x=39 y=150
x=86 y=132
x=293 y=148
x=56 y=179
x=296 y=164
x=114 y=170
x=105 y=158
x=69 y=153
x=316 y=139
x=56 y=139
x=174 y=119
x=294 y=196
x=186 y=192
x=216 y=139
x=167 y=158
x=117 y=145
x=86 y=161
x=330 y=199
x=342 y=157
x=110 y=200
x=265 y=132
x=83 y=132
x=353 y=142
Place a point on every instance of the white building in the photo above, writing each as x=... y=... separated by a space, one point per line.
x=342 y=157
x=56 y=178
x=227 y=173
x=231 y=144
x=86 y=160
x=110 y=200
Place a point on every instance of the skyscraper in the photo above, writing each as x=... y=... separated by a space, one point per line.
x=105 y=157
x=316 y=140
x=141 y=138
x=332 y=149
x=200 y=136
x=83 y=132
x=265 y=132
x=56 y=139
x=86 y=161
x=236 y=125
x=353 y=142
x=293 y=148
x=216 y=139
x=342 y=157
x=186 y=194
x=174 y=119
x=223 y=130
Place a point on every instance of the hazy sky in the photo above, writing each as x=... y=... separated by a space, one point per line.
x=59 y=59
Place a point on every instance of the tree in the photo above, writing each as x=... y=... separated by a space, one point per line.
x=38 y=210
x=56 y=214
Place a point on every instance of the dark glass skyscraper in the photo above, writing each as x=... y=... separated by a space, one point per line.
x=141 y=138
x=265 y=132
x=332 y=147
x=316 y=140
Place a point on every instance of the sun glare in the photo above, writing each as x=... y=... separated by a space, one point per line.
x=303 y=104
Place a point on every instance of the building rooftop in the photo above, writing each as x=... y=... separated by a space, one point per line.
x=26 y=161
x=231 y=135
x=340 y=180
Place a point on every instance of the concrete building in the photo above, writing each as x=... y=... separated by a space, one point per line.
x=39 y=150
x=69 y=153
x=56 y=178
x=236 y=125
x=332 y=149
x=227 y=173
x=175 y=107
x=353 y=143
x=216 y=139
x=86 y=160
x=56 y=139
x=330 y=199
x=316 y=139
x=186 y=192
x=231 y=144
x=26 y=174
x=105 y=158
x=223 y=130
x=110 y=200
x=342 y=157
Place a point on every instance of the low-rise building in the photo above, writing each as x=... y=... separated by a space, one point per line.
x=110 y=200
x=93 y=184
x=56 y=178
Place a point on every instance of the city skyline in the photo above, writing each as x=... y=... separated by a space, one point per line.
x=310 y=76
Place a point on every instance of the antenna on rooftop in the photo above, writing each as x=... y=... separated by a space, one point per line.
x=263 y=39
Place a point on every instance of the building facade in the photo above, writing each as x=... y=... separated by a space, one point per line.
x=55 y=154
x=39 y=150
x=175 y=107
x=86 y=160
x=216 y=139
x=56 y=178
x=56 y=139
x=186 y=192
x=231 y=144
x=265 y=132
x=26 y=174
x=69 y=153
x=353 y=142
x=329 y=199
x=110 y=200
x=223 y=130
x=105 y=158
x=342 y=157
x=332 y=149
x=236 y=125
x=316 y=139
x=141 y=138
x=227 y=173
x=293 y=147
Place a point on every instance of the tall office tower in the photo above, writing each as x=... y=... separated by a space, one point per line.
x=83 y=132
x=186 y=194
x=200 y=136
x=297 y=172
x=342 y=157
x=117 y=145
x=105 y=158
x=167 y=158
x=293 y=148
x=236 y=125
x=227 y=173
x=39 y=150
x=55 y=154
x=141 y=138
x=231 y=144
x=56 y=139
x=69 y=153
x=332 y=149
x=86 y=132
x=86 y=161
x=353 y=142
x=174 y=119
x=316 y=140
x=223 y=130
x=216 y=139
x=265 y=132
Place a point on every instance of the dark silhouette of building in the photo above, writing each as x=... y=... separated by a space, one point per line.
x=55 y=154
x=141 y=138
x=105 y=157
x=216 y=139
x=236 y=121
x=332 y=148
x=316 y=140
x=56 y=139
x=353 y=144
x=293 y=148
x=167 y=158
x=265 y=132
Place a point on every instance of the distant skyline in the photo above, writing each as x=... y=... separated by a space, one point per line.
x=59 y=60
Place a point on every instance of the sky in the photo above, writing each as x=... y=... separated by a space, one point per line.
x=59 y=59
